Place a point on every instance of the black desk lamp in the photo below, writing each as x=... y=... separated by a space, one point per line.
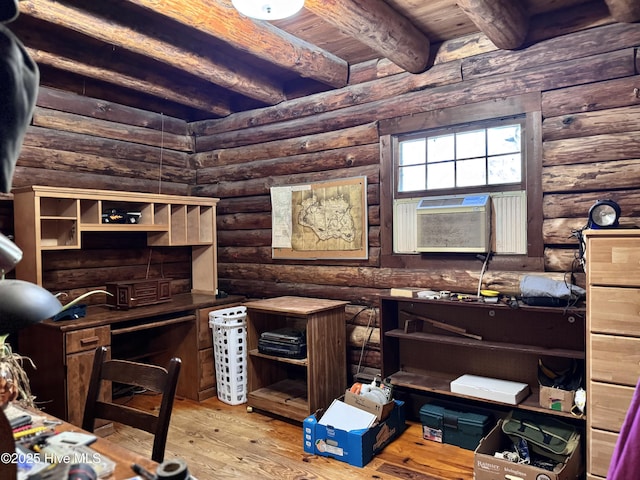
x=21 y=303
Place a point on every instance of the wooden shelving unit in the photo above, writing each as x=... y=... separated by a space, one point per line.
x=426 y=344
x=54 y=218
x=295 y=388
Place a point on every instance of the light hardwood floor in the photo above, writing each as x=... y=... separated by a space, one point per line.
x=220 y=441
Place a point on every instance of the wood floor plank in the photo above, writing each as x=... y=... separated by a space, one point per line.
x=220 y=441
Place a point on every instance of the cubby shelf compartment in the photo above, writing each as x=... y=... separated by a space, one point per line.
x=483 y=344
x=426 y=344
x=53 y=218
x=435 y=382
x=289 y=395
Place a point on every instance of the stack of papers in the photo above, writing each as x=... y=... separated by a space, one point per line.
x=347 y=417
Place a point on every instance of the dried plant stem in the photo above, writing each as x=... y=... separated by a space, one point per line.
x=11 y=369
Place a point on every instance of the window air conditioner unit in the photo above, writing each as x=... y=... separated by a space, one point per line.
x=456 y=223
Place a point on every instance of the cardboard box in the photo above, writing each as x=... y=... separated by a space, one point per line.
x=491 y=389
x=444 y=425
x=355 y=447
x=488 y=467
x=379 y=410
x=556 y=398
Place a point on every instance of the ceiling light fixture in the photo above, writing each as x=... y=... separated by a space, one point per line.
x=268 y=9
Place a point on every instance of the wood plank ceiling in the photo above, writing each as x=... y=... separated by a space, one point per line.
x=201 y=59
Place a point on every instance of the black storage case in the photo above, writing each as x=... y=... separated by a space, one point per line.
x=284 y=342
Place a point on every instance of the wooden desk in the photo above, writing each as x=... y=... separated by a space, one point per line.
x=63 y=351
x=122 y=457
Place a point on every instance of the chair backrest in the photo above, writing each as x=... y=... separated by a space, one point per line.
x=151 y=377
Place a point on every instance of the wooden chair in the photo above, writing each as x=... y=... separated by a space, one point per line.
x=151 y=377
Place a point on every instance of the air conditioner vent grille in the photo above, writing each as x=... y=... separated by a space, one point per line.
x=453 y=224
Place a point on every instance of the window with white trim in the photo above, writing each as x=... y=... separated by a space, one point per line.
x=447 y=164
x=465 y=158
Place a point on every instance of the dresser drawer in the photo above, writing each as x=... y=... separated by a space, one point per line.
x=87 y=339
x=614 y=359
x=607 y=405
x=614 y=310
x=600 y=448
x=613 y=261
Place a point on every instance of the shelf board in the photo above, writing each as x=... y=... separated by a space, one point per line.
x=123 y=227
x=59 y=247
x=485 y=344
x=575 y=310
x=293 y=361
x=287 y=398
x=58 y=217
x=438 y=382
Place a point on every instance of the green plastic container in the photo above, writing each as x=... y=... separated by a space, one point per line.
x=463 y=429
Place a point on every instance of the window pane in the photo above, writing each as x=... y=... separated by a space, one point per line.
x=440 y=148
x=471 y=172
x=470 y=144
x=503 y=139
x=505 y=169
x=412 y=152
x=440 y=175
x=411 y=178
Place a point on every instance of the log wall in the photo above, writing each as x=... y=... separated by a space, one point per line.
x=589 y=87
x=588 y=84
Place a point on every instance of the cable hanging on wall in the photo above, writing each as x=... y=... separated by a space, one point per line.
x=161 y=151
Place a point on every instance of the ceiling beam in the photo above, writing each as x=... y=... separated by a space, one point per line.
x=504 y=22
x=185 y=96
x=378 y=26
x=624 y=11
x=220 y=19
x=239 y=79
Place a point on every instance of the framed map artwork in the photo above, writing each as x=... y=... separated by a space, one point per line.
x=320 y=220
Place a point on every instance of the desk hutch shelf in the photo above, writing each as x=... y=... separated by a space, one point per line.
x=54 y=218
x=428 y=343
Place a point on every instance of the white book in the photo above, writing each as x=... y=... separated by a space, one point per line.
x=347 y=417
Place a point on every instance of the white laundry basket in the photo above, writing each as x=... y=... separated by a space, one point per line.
x=229 y=330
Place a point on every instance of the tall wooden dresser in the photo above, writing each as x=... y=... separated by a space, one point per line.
x=613 y=338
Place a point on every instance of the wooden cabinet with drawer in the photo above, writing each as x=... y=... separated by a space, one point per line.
x=613 y=338
x=81 y=345
x=63 y=361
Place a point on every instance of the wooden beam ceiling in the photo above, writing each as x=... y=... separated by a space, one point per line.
x=201 y=59
x=624 y=11
x=153 y=84
x=220 y=19
x=238 y=77
x=377 y=25
x=505 y=22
